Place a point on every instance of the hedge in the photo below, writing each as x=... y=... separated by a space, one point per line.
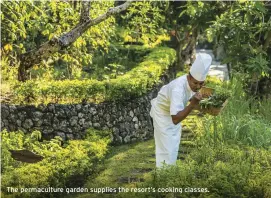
x=134 y=83
x=63 y=166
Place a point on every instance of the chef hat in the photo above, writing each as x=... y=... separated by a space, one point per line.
x=200 y=67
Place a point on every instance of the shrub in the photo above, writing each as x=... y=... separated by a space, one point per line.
x=227 y=171
x=134 y=83
x=62 y=166
x=118 y=60
x=243 y=121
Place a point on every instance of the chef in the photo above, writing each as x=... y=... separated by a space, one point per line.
x=170 y=107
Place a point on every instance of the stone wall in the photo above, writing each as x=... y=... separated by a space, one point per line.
x=128 y=120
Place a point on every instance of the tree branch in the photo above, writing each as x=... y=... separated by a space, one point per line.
x=85 y=11
x=71 y=36
x=35 y=56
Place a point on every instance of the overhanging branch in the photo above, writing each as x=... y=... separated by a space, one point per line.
x=35 y=56
x=71 y=36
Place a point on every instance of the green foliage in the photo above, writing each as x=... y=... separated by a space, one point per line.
x=8 y=76
x=226 y=171
x=133 y=84
x=258 y=65
x=264 y=110
x=195 y=14
x=180 y=73
x=116 y=62
x=60 y=166
x=242 y=30
x=212 y=82
x=243 y=121
x=191 y=18
x=28 y=24
x=217 y=99
x=143 y=21
x=8 y=73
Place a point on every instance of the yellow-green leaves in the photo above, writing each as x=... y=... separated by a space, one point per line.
x=78 y=158
x=132 y=84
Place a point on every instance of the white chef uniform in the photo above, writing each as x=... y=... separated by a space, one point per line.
x=171 y=99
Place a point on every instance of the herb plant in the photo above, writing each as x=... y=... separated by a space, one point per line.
x=216 y=99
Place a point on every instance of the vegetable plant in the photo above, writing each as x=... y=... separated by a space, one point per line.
x=216 y=99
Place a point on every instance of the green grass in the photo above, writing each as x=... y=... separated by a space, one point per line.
x=128 y=166
x=125 y=166
x=244 y=121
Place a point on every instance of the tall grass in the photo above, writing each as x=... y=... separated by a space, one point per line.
x=243 y=121
x=227 y=172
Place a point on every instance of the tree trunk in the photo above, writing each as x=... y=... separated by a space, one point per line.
x=179 y=62
x=35 y=56
x=181 y=41
x=192 y=51
x=189 y=52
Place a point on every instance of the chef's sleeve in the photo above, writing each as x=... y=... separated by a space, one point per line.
x=176 y=101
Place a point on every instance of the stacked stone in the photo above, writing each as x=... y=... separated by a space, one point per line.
x=128 y=120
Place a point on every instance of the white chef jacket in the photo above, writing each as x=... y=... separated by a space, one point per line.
x=171 y=99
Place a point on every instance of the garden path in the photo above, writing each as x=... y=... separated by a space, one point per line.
x=128 y=165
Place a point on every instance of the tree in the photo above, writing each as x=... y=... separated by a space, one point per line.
x=245 y=32
x=143 y=20
x=187 y=20
x=30 y=58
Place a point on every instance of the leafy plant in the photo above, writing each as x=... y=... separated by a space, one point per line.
x=143 y=21
x=258 y=65
x=62 y=166
x=245 y=121
x=227 y=171
x=134 y=83
x=216 y=99
x=243 y=30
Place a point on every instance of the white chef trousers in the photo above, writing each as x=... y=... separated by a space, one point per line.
x=167 y=137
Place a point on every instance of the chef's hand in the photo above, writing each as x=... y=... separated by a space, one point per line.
x=197 y=97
